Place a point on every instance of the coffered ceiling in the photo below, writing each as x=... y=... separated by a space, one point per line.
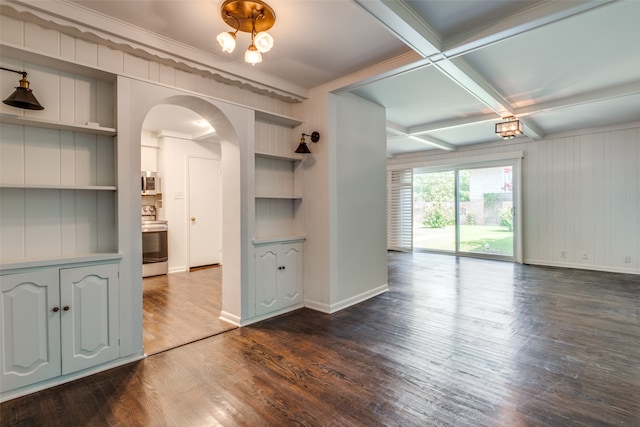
x=559 y=66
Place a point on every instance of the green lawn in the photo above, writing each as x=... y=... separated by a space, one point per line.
x=488 y=239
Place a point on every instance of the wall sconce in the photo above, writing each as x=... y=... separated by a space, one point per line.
x=249 y=16
x=509 y=129
x=303 y=148
x=22 y=97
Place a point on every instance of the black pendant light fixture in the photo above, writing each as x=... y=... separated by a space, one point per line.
x=303 y=148
x=22 y=97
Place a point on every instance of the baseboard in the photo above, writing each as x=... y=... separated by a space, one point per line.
x=593 y=267
x=269 y=315
x=230 y=318
x=23 y=391
x=317 y=306
x=341 y=305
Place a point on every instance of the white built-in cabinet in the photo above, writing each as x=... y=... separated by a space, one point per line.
x=279 y=274
x=279 y=220
x=56 y=321
x=59 y=258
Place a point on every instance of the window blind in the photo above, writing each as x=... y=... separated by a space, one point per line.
x=400 y=210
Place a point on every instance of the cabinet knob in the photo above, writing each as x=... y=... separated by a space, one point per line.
x=56 y=309
x=193 y=218
x=65 y=308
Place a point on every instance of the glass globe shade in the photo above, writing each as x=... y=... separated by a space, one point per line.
x=227 y=41
x=263 y=41
x=252 y=55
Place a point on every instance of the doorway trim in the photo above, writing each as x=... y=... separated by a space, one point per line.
x=236 y=129
x=457 y=162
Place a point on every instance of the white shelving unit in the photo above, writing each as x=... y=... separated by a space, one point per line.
x=59 y=260
x=278 y=187
x=279 y=236
x=58 y=167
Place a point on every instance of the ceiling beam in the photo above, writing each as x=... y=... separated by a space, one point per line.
x=451 y=123
x=402 y=132
x=617 y=91
x=400 y=19
x=529 y=19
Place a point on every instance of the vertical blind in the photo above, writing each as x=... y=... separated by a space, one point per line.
x=400 y=210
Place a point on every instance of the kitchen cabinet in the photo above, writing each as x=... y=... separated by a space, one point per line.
x=279 y=276
x=57 y=321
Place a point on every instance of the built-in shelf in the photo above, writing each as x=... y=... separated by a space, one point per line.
x=291 y=197
x=48 y=124
x=278 y=119
x=61 y=187
x=278 y=239
x=292 y=158
x=62 y=260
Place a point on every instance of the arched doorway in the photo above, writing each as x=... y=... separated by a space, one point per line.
x=234 y=127
x=181 y=229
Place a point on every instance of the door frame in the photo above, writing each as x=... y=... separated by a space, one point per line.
x=188 y=206
x=456 y=163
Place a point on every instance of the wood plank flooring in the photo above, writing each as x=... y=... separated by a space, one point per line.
x=454 y=342
x=180 y=308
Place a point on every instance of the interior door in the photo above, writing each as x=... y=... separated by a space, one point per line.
x=205 y=212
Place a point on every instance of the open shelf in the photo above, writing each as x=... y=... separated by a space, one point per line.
x=61 y=187
x=48 y=124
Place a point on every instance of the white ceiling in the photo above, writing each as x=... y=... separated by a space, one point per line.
x=557 y=65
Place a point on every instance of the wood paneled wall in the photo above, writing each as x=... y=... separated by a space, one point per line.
x=582 y=198
x=110 y=59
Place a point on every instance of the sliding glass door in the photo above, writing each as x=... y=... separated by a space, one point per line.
x=486 y=212
x=434 y=211
x=468 y=211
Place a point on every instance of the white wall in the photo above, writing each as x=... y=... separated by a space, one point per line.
x=346 y=196
x=358 y=192
x=581 y=196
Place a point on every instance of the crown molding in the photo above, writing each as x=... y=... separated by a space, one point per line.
x=78 y=21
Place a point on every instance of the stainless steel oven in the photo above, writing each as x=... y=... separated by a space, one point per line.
x=155 y=251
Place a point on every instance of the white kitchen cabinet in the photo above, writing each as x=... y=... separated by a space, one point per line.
x=56 y=321
x=279 y=276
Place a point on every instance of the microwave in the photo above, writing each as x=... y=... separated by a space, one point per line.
x=150 y=183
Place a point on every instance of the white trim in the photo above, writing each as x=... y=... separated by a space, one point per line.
x=356 y=299
x=230 y=318
x=454 y=162
x=594 y=267
x=64 y=14
x=42 y=385
x=266 y=316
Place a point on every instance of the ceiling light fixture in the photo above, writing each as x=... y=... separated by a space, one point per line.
x=22 y=97
x=509 y=129
x=249 y=16
x=303 y=148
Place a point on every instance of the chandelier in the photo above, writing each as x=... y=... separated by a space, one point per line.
x=249 y=16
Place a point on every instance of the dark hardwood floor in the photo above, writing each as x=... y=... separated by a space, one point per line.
x=180 y=308
x=454 y=342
